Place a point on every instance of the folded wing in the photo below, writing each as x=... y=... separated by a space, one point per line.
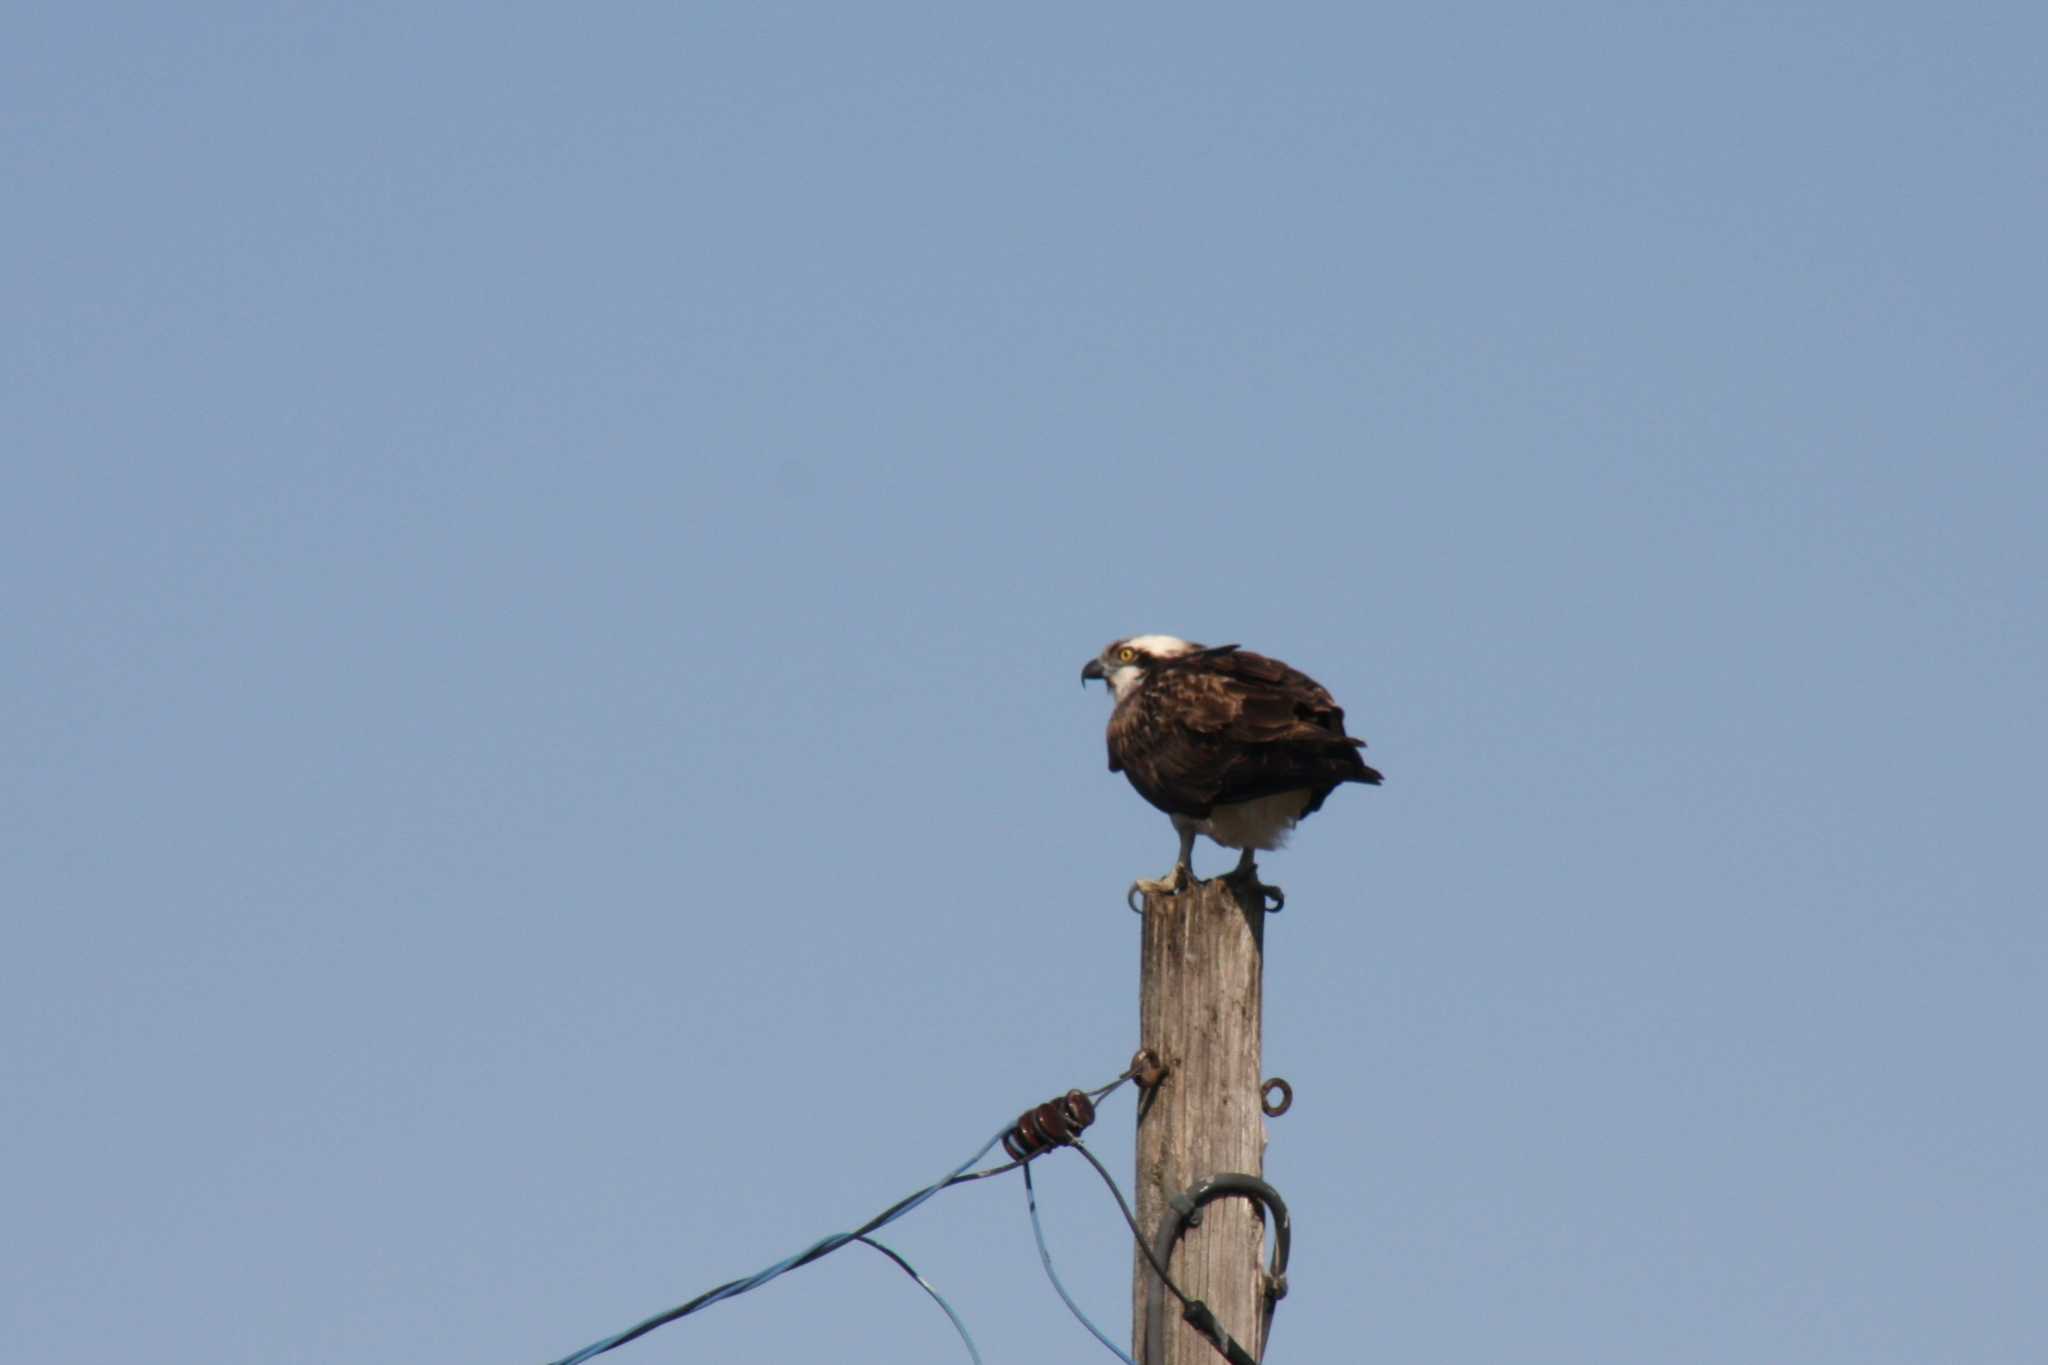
x=1226 y=725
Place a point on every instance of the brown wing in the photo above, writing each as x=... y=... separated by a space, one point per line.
x=1227 y=725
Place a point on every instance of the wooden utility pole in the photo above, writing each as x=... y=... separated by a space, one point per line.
x=1200 y=994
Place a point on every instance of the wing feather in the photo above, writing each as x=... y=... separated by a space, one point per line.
x=1226 y=725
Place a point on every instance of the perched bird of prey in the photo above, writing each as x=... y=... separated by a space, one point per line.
x=1228 y=743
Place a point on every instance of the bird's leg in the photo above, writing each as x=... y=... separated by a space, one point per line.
x=1244 y=878
x=1174 y=882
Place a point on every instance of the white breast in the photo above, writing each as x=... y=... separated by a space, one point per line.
x=1262 y=824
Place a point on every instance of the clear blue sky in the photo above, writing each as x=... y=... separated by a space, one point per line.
x=546 y=553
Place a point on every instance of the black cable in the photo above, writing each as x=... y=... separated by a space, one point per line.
x=824 y=1246
x=1131 y=1220
x=1197 y=1313
x=926 y=1286
x=731 y=1288
x=1183 y=1211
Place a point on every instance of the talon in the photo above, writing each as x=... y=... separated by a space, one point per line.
x=1172 y=884
x=1245 y=881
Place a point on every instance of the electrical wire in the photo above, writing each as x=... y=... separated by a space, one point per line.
x=960 y=1175
x=926 y=1285
x=823 y=1247
x=1103 y=1092
x=1198 y=1314
x=1184 y=1211
x=1131 y=1220
x=1045 y=1259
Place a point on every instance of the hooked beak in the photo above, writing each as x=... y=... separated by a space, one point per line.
x=1092 y=671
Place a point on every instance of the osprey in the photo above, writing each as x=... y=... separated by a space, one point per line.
x=1228 y=743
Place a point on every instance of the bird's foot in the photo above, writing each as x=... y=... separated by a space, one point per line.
x=1244 y=881
x=1172 y=884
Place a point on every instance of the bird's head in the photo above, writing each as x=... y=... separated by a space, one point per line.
x=1124 y=663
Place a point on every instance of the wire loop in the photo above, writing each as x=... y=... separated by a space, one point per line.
x=1183 y=1211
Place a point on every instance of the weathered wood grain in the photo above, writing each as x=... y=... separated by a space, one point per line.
x=1200 y=997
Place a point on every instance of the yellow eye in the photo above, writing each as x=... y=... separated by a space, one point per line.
x=1126 y=654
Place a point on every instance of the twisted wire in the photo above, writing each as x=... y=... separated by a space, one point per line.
x=823 y=1247
x=960 y=1175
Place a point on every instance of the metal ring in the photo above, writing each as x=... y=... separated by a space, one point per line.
x=1286 y=1102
